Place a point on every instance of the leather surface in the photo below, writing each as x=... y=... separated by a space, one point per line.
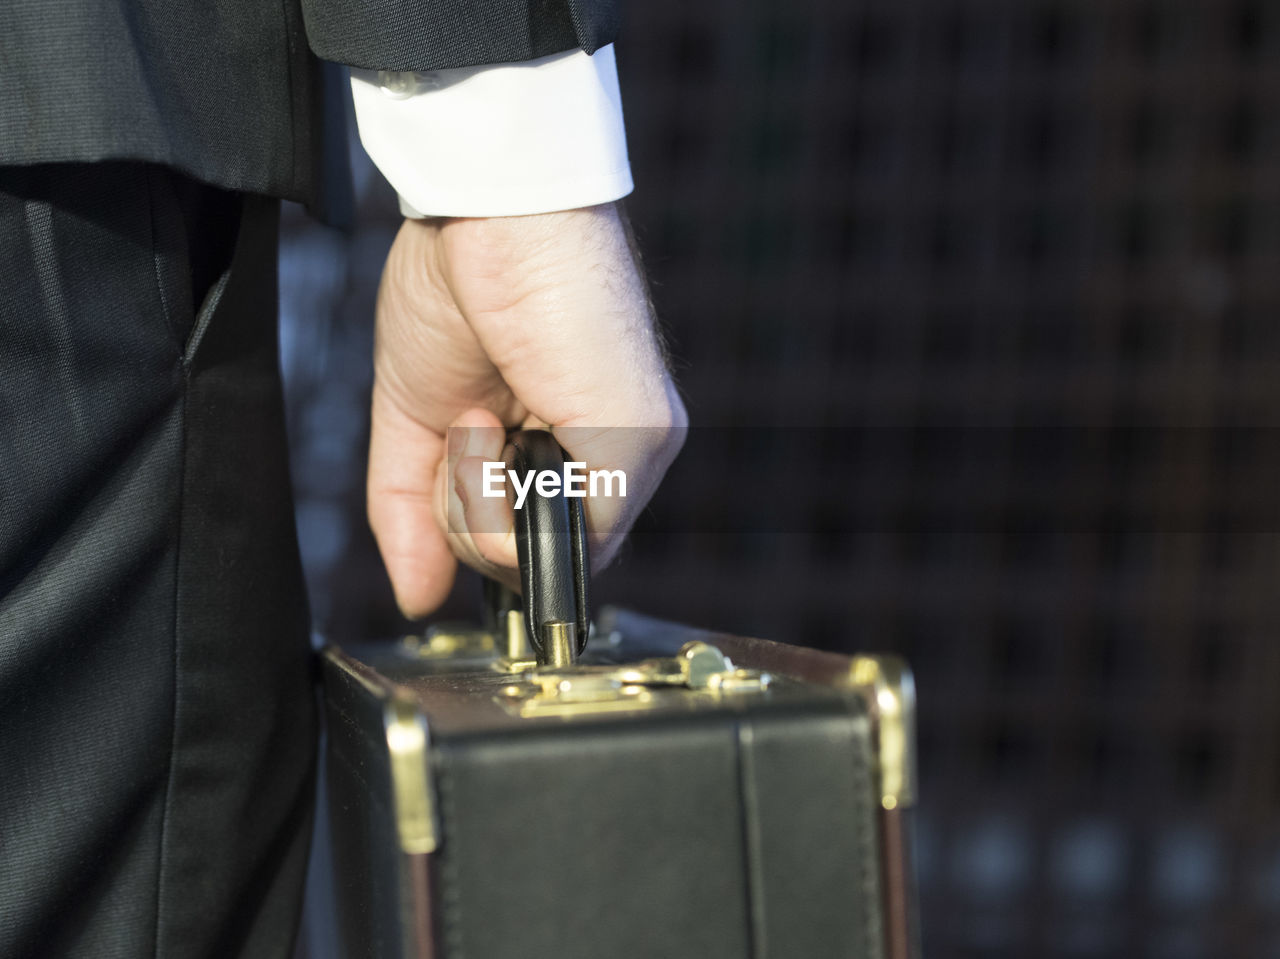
x=550 y=542
x=622 y=842
x=709 y=837
x=810 y=824
x=745 y=830
x=367 y=888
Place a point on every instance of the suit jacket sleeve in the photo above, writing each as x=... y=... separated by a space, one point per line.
x=439 y=34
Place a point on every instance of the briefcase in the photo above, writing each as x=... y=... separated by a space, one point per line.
x=543 y=785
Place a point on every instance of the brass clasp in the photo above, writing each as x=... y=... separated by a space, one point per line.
x=698 y=667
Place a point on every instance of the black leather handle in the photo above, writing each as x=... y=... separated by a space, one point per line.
x=551 y=542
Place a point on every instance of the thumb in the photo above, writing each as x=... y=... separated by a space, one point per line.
x=404 y=460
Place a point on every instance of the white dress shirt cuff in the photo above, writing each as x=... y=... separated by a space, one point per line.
x=502 y=140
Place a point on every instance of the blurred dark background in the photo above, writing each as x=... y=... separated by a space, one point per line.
x=981 y=298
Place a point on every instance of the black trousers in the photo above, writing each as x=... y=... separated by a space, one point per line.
x=157 y=723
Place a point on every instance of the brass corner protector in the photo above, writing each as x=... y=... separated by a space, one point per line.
x=411 y=788
x=890 y=688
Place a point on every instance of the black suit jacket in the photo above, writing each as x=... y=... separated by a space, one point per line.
x=231 y=92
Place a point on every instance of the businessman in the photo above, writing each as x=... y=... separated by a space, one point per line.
x=156 y=715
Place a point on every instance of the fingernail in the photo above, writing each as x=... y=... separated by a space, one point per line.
x=461 y=492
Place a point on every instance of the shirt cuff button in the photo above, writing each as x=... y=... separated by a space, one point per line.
x=402 y=84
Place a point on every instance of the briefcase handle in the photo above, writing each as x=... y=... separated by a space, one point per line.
x=551 y=543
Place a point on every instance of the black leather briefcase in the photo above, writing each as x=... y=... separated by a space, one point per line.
x=541 y=787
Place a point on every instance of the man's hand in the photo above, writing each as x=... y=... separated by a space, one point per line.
x=508 y=321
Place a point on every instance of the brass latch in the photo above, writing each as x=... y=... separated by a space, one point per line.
x=698 y=667
x=451 y=641
x=890 y=692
